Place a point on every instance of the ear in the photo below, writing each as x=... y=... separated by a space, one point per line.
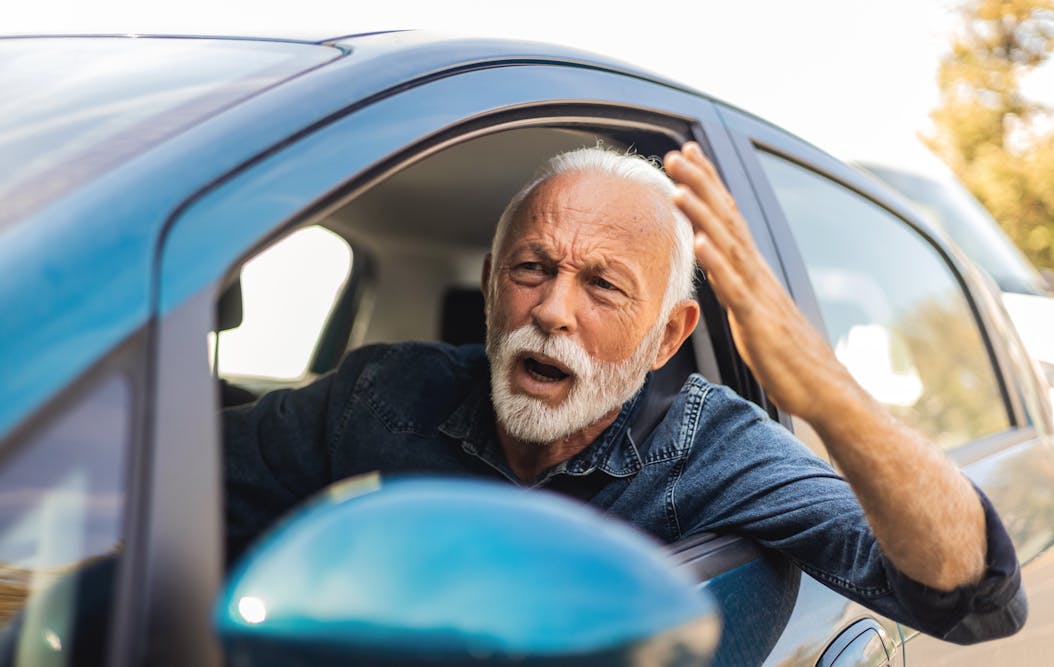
x=485 y=278
x=680 y=325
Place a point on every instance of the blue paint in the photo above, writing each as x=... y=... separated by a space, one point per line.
x=453 y=568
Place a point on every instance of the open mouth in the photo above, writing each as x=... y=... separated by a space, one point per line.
x=544 y=372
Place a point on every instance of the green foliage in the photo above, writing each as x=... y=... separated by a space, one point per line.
x=961 y=398
x=997 y=141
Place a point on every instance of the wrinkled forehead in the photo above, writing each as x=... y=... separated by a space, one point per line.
x=632 y=216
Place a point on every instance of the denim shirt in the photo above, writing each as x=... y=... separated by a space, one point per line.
x=714 y=463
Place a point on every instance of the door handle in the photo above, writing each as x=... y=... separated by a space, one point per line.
x=859 y=645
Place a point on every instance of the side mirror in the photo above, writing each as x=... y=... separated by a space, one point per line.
x=451 y=571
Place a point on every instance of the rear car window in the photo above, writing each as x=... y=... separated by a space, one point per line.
x=895 y=312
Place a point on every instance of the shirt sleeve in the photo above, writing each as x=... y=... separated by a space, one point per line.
x=276 y=452
x=747 y=475
x=994 y=607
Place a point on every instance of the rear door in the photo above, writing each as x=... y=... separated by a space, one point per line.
x=921 y=331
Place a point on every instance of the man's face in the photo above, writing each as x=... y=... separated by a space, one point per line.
x=575 y=294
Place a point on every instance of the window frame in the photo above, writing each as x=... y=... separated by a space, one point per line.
x=704 y=556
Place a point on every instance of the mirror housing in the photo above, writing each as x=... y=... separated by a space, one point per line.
x=449 y=571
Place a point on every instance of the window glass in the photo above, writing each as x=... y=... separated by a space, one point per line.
x=61 y=508
x=288 y=292
x=895 y=314
x=949 y=206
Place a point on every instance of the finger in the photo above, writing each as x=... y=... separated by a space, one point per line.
x=693 y=152
x=702 y=217
x=728 y=284
x=708 y=187
x=684 y=171
x=739 y=253
x=705 y=174
x=712 y=186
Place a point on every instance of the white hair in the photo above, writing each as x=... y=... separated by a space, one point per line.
x=600 y=159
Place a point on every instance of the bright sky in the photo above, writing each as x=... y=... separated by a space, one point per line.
x=856 y=77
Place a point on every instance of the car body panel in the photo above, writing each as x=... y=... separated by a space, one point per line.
x=110 y=99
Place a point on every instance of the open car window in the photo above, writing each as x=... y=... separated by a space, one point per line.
x=425 y=229
x=423 y=232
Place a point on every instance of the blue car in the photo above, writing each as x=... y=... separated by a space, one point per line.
x=187 y=223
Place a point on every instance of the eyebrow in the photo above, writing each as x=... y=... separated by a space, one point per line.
x=539 y=249
x=623 y=272
x=619 y=268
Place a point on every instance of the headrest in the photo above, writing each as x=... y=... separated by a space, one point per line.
x=462 y=318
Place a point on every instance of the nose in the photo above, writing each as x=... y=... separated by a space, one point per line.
x=555 y=312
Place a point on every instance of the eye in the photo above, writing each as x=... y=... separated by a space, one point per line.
x=603 y=284
x=529 y=272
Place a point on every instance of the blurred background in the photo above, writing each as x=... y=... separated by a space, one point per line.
x=911 y=84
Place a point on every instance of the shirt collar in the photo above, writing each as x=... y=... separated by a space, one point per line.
x=613 y=452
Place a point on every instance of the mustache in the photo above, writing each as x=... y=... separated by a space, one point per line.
x=529 y=340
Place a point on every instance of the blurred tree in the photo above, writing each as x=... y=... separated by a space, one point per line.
x=995 y=139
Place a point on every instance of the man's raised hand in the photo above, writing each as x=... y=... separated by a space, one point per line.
x=790 y=360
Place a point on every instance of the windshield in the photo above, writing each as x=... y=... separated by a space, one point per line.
x=75 y=107
x=950 y=207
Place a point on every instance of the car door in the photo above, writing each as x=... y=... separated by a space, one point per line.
x=922 y=332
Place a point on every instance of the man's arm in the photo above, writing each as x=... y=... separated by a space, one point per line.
x=276 y=452
x=933 y=527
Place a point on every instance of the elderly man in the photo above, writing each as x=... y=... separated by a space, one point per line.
x=588 y=288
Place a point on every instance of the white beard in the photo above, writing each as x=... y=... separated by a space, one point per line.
x=598 y=387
